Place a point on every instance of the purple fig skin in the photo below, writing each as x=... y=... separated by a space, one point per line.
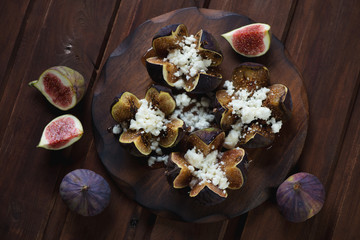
x=300 y=197
x=206 y=83
x=208 y=135
x=85 y=192
x=166 y=31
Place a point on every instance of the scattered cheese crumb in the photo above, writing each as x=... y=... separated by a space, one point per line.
x=116 y=129
x=207 y=168
x=153 y=159
x=198 y=116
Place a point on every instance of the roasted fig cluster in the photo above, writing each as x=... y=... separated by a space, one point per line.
x=185 y=61
x=251 y=110
x=198 y=134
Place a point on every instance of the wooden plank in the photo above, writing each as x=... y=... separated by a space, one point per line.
x=74 y=39
x=171 y=230
x=12 y=26
x=343 y=191
x=276 y=13
x=332 y=84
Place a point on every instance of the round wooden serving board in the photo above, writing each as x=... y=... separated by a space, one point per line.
x=149 y=187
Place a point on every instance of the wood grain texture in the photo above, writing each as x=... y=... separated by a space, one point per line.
x=12 y=28
x=343 y=192
x=150 y=188
x=330 y=71
x=320 y=38
x=278 y=14
x=47 y=40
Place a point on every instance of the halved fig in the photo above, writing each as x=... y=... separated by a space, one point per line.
x=63 y=87
x=252 y=40
x=146 y=121
x=250 y=109
x=61 y=132
x=183 y=61
x=207 y=171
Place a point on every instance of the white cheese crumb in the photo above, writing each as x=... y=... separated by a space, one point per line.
x=187 y=60
x=149 y=119
x=152 y=159
x=275 y=125
x=116 y=129
x=207 y=168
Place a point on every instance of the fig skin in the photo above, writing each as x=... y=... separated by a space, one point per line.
x=251 y=40
x=163 y=72
x=300 y=197
x=68 y=86
x=85 y=192
x=61 y=132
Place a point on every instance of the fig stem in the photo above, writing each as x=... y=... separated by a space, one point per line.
x=297 y=186
x=85 y=188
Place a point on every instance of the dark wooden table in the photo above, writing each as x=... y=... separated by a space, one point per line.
x=321 y=38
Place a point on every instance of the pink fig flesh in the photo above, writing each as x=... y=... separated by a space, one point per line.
x=252 y=40
x=63 y=87
x=60 y=94
x=61 y=132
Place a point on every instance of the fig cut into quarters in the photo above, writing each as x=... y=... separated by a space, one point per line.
x=252 y=40
x=258 y=133
x=62 y=86
x=230 y=167
x=61 y=132
x=185 y=62
x=147 y=121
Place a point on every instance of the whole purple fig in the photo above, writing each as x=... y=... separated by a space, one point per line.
x=85 y=192
x=300 y=197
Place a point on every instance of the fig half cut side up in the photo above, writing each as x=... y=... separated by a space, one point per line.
x=62 y=86
x=164 y=71
x=252 y=40
x=61 y=132
x=139 y=141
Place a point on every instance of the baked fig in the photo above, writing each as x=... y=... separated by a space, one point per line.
x=85 y=192
x=61 y=132
x=300 y=197
x=63 y=87
x=250 y=109
x=205 y=169
x=252 y=40
x=147 y=123
x=185 y=61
